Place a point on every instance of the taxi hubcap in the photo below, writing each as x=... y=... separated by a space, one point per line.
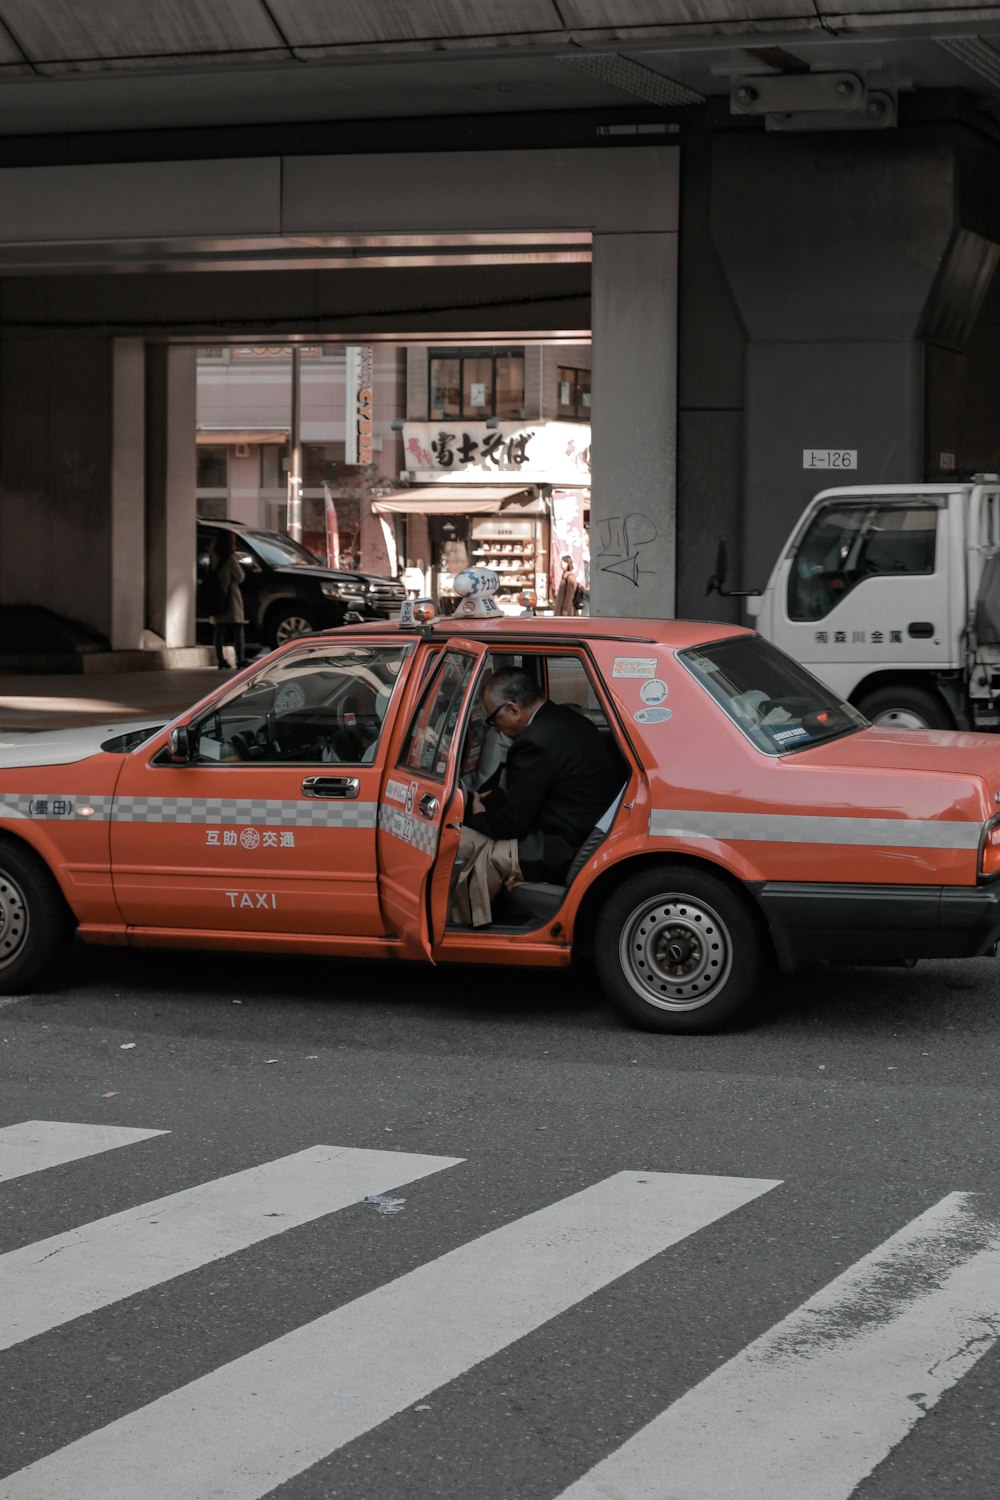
x=13 y=920
x=676 y=952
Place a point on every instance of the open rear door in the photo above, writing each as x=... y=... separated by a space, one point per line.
x=420 y=807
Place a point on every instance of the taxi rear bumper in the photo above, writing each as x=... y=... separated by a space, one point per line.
x=878 y=924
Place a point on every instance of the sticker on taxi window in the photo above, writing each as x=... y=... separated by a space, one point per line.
x=653 y=715
x=654 y=692
x=634 y=666
x=790 y=736
x=396 y=791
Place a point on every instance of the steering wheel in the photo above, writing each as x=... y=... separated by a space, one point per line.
x=244 y=744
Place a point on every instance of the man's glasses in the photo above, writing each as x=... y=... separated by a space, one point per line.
x=490 y=717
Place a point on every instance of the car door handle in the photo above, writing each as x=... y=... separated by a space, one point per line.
x=920 y=630
x=428 y=806
x=331 y=786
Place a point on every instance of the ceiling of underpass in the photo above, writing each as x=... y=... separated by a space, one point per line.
x=115 y=65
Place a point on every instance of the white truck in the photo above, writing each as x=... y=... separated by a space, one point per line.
x=891 y=594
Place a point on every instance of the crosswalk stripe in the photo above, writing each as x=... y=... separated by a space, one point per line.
x=247 y=1427
x=34 y=1145
x=53 y=1280
x=814 y=1404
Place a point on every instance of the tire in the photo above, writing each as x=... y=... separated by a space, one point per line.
x=905 y=707
x=36 y=925
x=287 y=622
x=718 y=959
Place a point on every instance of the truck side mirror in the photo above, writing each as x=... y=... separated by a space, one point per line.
x=717 y=582
x=180 y=745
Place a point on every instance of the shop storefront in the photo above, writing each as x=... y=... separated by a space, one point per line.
x=513 y=496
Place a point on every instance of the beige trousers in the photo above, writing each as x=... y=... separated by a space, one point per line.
x=487 y=865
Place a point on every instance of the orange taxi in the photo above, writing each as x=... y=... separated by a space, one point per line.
x=314 y=803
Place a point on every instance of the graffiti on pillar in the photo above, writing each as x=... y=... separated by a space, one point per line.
x=621 y=545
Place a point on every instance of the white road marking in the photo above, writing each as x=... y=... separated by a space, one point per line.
x=813 y=1405
x=240 y=1431
x=53 y=1280
x=34 y=1145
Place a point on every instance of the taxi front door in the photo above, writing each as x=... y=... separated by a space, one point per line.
x=269 y=828
x=421 y=805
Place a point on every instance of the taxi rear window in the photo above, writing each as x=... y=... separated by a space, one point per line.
x=778 y=705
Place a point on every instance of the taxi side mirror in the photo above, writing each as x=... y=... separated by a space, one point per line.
x=180 y=745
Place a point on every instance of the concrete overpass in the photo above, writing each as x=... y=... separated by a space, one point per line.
x=780 y=222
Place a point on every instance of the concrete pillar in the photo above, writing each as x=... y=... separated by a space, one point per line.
x=858 y=290
x=633 y=425
x=170 y=493
x=127 y=499
x=55 y=424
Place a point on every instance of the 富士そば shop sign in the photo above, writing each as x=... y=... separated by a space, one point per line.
x=538 y=452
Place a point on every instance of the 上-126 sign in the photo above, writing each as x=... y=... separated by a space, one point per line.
x=829 y=458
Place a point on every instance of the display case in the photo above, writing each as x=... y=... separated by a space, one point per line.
x=517 y=549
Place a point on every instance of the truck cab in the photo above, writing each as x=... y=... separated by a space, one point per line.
x=891 y=594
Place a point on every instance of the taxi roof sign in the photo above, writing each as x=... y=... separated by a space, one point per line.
x=413 y=613
x=476 y=588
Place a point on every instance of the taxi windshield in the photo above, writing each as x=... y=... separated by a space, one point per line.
x=779 y=706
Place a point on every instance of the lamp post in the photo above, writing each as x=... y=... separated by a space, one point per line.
x=294 y=521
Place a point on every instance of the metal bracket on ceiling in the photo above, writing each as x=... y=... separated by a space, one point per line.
x=813 y=101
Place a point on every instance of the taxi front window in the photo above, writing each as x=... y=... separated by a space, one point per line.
x=779 y=706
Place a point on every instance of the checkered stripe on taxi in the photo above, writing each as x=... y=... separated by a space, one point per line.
x=307 y=813
x=421 y=835
x=290 y=813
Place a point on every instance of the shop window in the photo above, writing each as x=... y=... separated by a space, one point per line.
x=573 y=393
x=846 y=544
x=213 y=468
x=211 y=508
x=273 y=466
x=321 y=464
x=475 y=384
x=509 y=385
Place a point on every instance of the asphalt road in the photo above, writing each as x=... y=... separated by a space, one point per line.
x=856 y=1102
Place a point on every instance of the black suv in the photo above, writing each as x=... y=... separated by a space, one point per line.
x=286 y=592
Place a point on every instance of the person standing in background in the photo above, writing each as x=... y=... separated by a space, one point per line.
x=566 y=593
x=229 y=575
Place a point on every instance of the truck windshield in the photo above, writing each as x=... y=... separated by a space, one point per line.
x=779 y=706
x=847 y=543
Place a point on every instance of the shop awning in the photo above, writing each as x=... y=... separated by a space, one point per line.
x=224 y=437
x=461 y=500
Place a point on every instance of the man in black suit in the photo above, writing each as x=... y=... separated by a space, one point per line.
x=558 y=779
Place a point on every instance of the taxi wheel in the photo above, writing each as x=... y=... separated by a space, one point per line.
x=35 y=923
x=678 y=951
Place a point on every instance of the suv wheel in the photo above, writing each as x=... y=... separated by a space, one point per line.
x=287 y=622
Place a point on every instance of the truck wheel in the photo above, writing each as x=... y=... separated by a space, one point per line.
x=905 y=707
x=287 y=622
x=35 y=923
x=678 y=951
